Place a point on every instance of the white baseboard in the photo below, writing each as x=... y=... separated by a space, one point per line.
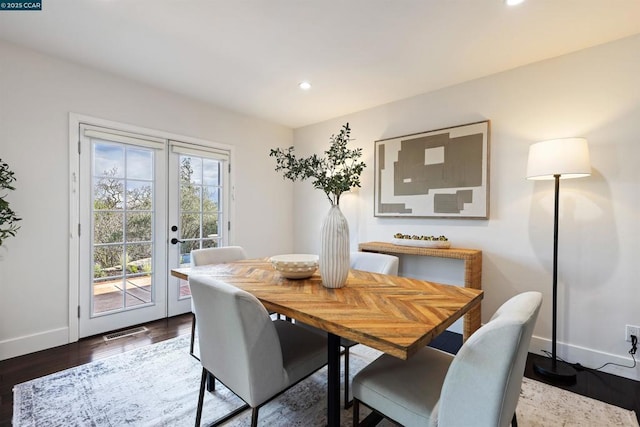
x=30 y=343
x=588 y=358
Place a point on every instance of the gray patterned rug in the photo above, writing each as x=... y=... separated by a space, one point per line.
x=158 y=385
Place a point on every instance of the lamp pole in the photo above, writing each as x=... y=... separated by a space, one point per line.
x=556 y=212
x=551 y=368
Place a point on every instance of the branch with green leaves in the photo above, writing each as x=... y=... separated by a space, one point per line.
x=8 y=217
x=335 y=173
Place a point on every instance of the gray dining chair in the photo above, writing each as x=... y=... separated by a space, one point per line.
x=208 y=256
x=374 y=262
x=257 y=358
x=479 y=386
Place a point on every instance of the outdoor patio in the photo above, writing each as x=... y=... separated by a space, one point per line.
x=112 y=295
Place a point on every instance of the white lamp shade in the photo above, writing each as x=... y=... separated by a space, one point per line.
x=567 y=157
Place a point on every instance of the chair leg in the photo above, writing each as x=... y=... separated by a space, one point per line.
x=193 y=334
x=203 y=380
x=211 y=382
x=514 y=421
x=254 y=417
x=356 y=412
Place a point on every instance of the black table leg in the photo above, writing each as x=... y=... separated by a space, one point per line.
x=333 y=381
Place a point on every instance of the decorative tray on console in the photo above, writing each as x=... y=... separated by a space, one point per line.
x=421 y=241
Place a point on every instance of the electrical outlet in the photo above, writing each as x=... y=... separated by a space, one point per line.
x=631 y=330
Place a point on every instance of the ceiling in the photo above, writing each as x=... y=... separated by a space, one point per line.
x=249 y=55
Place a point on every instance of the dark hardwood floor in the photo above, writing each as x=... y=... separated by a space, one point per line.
x=598 y=385
x=19 y=369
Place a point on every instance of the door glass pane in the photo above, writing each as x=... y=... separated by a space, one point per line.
x=107 y=261
x=185 y=251
x=108 y=226
x=190 y=225
x=189 y=198
x=138 y=275
x=211 y=172
x=108 y=285
x=139 y=164
x=139 y=195
x=139 y=227
x=212 y=197
x=108 y=193
x=108 y=160
x=210 y=225
x=123 y=200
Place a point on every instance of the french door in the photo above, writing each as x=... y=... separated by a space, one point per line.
x=122 y=230
x=199 y=178
x=144 y=203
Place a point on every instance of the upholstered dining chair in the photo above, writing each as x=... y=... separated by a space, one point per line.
x=256 y=357
x=479 y=386
x=374 y=262
x=208 y=256
x=217 y=255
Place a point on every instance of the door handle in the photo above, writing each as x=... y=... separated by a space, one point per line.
x=175 y=241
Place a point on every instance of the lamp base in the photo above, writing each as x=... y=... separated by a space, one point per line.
x=556 y=372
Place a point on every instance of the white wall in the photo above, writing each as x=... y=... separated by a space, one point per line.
x=595 y=94
x=37 y=93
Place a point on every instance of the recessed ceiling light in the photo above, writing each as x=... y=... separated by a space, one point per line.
x=305 y=85
x=513 y=2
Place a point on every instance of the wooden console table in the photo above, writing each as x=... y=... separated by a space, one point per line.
x=472 y=270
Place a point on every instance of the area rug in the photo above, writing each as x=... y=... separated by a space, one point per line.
x=158 y=385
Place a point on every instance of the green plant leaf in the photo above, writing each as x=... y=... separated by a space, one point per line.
x=8 y=217
x=335 y=173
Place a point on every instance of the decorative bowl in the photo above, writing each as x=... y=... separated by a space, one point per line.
x=440 y=244
x=295 y=266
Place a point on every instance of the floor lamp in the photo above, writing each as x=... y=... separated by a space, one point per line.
x=554 y=160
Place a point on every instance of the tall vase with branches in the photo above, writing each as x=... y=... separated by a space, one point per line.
x=336 y=173
x=8 y=218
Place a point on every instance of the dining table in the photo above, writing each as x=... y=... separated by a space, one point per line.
x=393 y=314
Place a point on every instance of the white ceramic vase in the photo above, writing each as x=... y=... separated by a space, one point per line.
x=334 y=262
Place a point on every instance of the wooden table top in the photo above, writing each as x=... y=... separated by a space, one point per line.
x=396 y=315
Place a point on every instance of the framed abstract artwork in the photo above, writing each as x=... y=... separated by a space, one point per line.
x=441 y=173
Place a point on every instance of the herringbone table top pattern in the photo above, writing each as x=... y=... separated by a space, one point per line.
x=396 y=315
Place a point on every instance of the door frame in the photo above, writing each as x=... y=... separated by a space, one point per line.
x=75 y=119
